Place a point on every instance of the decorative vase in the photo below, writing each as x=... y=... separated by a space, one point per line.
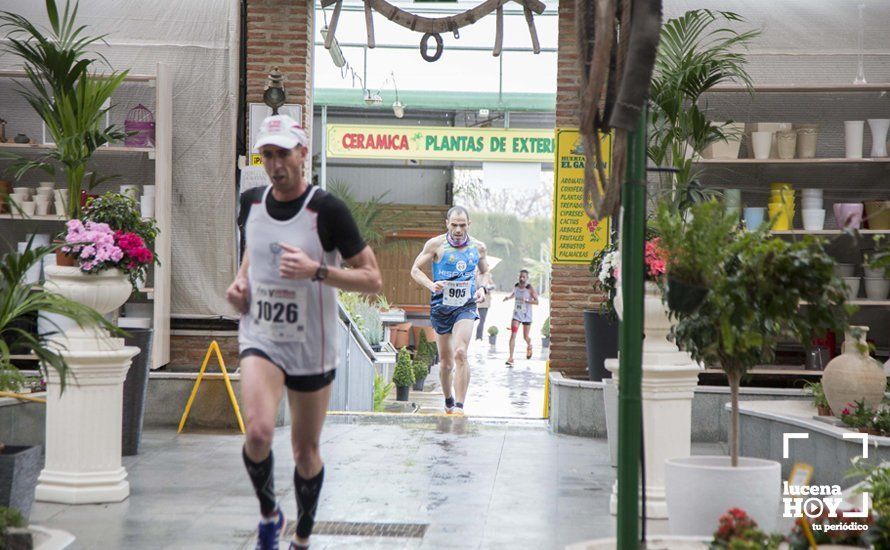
x=879 y=127
x=853 y=376
x=601 y=343
x=807 y=136
x=655 y=318
x=853 y=130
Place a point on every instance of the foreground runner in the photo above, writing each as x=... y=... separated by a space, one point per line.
x=454 y=257
x=526 y=297
x=286 y=292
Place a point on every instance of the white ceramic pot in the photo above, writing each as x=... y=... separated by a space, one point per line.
x=852 y=287
x=813 y=220
x=871 y=273
x=879 y=127
x=807 y=136
x=104 y=291
x=853 y=130
x=812 y=203
x=761 y=142
x=853 y=376
x=844 y=270
x=876 y=288
x=700 y=489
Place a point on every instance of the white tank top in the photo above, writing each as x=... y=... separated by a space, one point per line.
x=522 y=311
x=293 y=322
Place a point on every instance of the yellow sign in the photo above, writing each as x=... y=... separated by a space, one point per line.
x=576 y=237
x=256 y=160
x=439 y=143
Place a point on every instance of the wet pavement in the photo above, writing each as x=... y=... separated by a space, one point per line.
x=495 y=390
x=465 y=482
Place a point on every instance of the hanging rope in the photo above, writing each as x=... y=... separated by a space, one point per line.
x=617 y=41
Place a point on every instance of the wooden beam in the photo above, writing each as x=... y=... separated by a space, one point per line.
x=369 y=24
x=530 y=20
x=332 y=28
x=499 y=32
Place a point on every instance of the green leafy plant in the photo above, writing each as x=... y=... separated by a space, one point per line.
x=425 y=350
x=738 y=531
x=381 y=391
x=403 y=375
x=697 y=51
x=818 y=393
x=364 y=314
x=20 y=304
x=421 y=369
x=755 y=290
x=876 y=482
x=545 y=330
x=370 y=216
x=10 y=517
x=857 y=415
x=696 y=250
x=492 y=330
x=879 y=257
x=65 y=91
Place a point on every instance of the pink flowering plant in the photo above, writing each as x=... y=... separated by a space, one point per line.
x=112 y=234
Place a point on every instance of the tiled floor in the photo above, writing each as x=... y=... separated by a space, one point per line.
x=476 y=484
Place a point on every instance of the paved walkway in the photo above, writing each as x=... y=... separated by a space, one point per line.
x=471 y=483
x=495 y=390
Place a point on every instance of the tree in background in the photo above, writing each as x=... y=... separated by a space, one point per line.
x=515 y=226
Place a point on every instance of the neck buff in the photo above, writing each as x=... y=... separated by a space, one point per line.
x=457 y=245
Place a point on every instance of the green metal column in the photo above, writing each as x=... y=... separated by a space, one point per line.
x=630 y=354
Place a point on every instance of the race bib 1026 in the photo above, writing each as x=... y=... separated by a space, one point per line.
x=278 y=313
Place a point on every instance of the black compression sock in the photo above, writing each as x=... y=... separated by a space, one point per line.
x=459 y=404
x=307 y=491
x=263 y=479
x=449 y=402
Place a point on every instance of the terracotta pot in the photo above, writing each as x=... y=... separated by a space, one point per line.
x=429 y=331
x=63 y=258
x=853 y=376
x=398 y=335
x=824 y=411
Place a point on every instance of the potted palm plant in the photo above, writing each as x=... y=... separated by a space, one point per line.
x=753 y=301
x=21 y=306
x=697 y=51
x=66 y=92
x=403 y=375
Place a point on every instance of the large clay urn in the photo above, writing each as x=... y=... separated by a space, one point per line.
x=854 y=376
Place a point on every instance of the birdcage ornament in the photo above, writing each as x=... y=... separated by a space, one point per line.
x=140 y=127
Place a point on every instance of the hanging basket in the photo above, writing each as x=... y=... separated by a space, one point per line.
x=684 y=297
x=140 y=127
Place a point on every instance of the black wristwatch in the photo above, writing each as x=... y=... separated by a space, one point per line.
x=321 y=273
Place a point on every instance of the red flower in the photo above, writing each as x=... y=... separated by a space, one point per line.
x=592 y=225
x=845 y=411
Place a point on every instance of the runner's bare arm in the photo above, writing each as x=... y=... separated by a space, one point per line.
x=426 y=256
x=534 y=296
x=363 y=274
x=238 y=292
x=511 y=296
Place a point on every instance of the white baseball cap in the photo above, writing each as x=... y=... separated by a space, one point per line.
x=282 y=131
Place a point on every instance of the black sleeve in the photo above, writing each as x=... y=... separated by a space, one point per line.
x=336 y=226
x=245 y=201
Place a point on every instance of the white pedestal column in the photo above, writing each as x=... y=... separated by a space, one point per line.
x=83 y=424
x=669 y=380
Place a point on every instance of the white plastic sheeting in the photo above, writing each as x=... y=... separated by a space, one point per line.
x=198 y=39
